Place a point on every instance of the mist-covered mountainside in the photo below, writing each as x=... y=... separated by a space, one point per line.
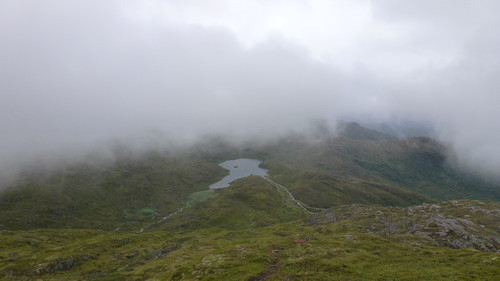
x=376 y=164
x=122 y=122
x=358 y=165
x=353 y=130
x=105 y=197
x=358 y=204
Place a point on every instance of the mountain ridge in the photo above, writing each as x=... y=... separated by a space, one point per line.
x=373 y=206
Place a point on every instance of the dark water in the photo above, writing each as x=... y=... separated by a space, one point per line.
x=239 y=168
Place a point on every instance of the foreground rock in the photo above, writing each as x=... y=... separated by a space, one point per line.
x=455 y=224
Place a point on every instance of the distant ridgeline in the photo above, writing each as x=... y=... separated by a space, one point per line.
x=358 y=165
x=360 y=205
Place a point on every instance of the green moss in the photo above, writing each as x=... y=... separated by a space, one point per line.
x=292 y=250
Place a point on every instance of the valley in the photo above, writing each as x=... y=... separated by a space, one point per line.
x=360 y=205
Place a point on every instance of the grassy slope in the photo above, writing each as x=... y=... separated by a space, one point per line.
x=388 y=172
x=322 y=189
x=372 y=168
x=297 y=250
x=248 y=203
x=83 y=197
x=249 y=231
x=455 y=224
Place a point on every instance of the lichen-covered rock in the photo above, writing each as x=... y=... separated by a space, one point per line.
x=59 y=264
x=455 y=224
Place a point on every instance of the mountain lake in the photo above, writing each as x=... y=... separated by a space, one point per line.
x=239 y=168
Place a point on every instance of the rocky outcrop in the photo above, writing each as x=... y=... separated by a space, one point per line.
x=52 y=265
x=455 y=224
x=59 y=264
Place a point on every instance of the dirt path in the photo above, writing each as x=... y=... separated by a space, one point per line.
x=297 y=202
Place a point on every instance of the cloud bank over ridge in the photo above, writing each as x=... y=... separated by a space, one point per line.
x=74 y=74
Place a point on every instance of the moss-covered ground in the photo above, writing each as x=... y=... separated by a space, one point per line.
x=153 y=217
x=285 y=251
x=251 y=231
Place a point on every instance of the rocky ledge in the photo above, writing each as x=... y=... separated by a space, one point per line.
x=455 y=224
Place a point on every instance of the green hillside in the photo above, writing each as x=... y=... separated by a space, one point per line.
x=361 y=170
x=342 y=243
x=126 y=193
x=248 y=203
x=369 y=168
x=360 y=205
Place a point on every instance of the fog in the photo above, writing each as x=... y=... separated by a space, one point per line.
x=76 y=76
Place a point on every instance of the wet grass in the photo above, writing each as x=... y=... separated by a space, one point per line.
x=293 y=250
x=251 y=230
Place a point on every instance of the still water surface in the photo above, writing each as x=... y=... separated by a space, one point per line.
x=239 y=168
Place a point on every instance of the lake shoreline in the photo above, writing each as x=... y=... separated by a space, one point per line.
x=239 y=168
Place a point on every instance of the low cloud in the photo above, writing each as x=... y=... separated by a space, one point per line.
x=76 y=75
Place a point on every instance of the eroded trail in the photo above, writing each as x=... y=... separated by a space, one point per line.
x=297 y=202
x=270 y=181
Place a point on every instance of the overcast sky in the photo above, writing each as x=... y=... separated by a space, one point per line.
x=77 y=73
